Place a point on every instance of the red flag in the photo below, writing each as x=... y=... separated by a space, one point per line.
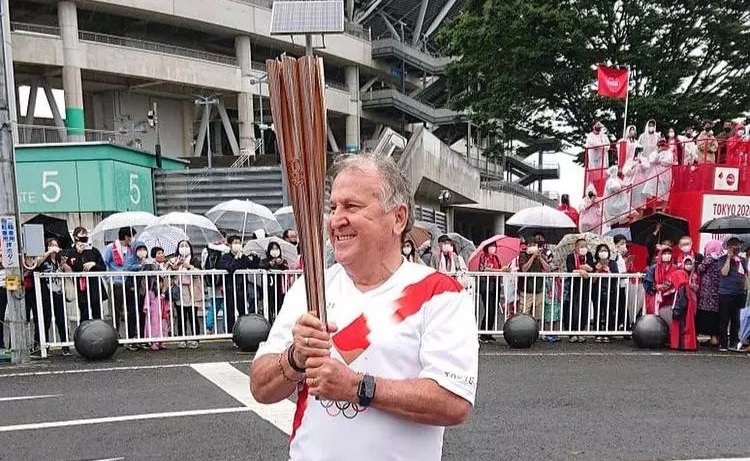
x=613 y=82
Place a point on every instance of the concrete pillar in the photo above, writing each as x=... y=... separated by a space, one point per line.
x=500 y=224
x=355 y=109
x=245 y=109
x=74 y=118
x=188 y=120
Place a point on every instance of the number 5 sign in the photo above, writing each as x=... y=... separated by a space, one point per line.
x=133 y=187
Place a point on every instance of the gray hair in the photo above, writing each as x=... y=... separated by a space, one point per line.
x=395 y=189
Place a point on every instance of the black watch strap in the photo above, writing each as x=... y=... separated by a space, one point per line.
x=292 y=363
x=366 y=390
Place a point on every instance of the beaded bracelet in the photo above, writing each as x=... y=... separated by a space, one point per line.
x=281 y=369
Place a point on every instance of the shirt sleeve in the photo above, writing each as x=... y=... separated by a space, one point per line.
x=280 y=337
x=450 y=346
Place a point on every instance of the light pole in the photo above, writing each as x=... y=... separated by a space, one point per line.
x=153 y=120
x=207 y=102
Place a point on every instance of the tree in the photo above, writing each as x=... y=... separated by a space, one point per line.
x=524 y=69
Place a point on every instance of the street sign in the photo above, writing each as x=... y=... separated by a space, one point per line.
x=9 y=241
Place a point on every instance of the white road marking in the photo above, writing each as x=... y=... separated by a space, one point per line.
x=29 y=397
x=108 y=459
x=119 y=419
x=717 y=459
x=237 y=384
x=94 y=370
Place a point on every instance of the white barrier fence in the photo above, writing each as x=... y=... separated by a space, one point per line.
x=153 y=308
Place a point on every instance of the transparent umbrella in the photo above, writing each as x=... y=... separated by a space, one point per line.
x=199 y=229
x=244 y=217
x=110 y=225
x=162 y=236
x=285 y=217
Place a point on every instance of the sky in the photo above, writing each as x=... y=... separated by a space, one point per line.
x=42 y=106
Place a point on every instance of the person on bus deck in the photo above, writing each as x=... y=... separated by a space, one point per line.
x=686 y=251
x=626 y=146
x=591 y=212
x=567 y=209
x=675 y=145
x=597 y=144
x=662 y=161
x=707 y=144
x=689 y=147
x=721 y=139
x=635 y=176
x=650 y=137
x=737 y=147
x=616 y=200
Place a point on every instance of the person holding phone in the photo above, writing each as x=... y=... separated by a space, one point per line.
x=51 y=262
x=732 y=293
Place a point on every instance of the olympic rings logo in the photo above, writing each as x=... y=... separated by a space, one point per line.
x=348 y=409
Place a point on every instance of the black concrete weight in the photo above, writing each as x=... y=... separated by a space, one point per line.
x=95 y=340
x=249 y=331
x=521 y=331
x=650 y=332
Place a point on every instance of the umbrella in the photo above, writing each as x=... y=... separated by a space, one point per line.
x=110 y=225
x=54 y=228
x=259 y=246
x=553 y=223
x=672 y=228
x=566 y=245
x=163 y=236
x=464 y=246
x=424 y=231
x=507 y=249
x=745 y=324
x=199 y=229
x=727 y=225
x=244 y=216
x=285 y=217
x=624 y=231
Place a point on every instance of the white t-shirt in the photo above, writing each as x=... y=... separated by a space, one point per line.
x=419 y=324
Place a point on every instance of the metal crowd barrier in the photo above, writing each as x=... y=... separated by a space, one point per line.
x=158 y=307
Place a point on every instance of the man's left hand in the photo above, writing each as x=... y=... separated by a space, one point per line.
x=331 y=379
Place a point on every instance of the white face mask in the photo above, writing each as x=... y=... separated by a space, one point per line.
x=184 y=251
x=604 y=255
x=406 y=251
x=671 y=134
x=651 y=129
x=688 y=267
x=583 y=251
x=275 y=253
x=686 y=248
x=54 y=249
x=740 y=132
x=447 y=248
x=236 y=247
x=532 y=249
x=666 y=258
x=622 y=249
x=142 y=254
x=492 y=250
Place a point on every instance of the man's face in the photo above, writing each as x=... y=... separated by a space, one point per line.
x=292 y=238
x=358 y=227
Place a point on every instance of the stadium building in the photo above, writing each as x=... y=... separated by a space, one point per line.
x=187 y=78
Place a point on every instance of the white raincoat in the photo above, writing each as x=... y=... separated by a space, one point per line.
x=637 y=171
x=626 y=147
x=661 y=162
x=649 y=140
x=590 y=212
x=616 y=200
x=597 y=146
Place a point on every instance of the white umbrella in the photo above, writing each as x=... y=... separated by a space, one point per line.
x=553 y=223
x=288 y=251
x=110 y=225
x=163 y=236
x=199 y=229
x=244 y=216
x=285 y=217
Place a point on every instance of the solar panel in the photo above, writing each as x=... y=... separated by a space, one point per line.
x=307 y=17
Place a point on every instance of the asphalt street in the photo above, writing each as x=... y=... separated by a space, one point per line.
x=552 y=402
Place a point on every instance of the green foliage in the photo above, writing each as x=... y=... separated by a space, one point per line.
x=524 y=69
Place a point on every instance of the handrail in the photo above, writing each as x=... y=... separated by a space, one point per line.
x=34 y=28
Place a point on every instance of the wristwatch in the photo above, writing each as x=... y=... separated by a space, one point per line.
x=366 y=390
x=292 y=363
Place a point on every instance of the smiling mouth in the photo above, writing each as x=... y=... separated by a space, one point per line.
x=344 y=238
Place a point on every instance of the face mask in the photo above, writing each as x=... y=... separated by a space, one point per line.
x=688 y=267
x=604 y=255
x=666 y=258
x=671 y=134
x=184 y=251
x=622 y=249
x=715 y=255
x=631 y=134
x=294 y=242
x=142 y=254
x=531 y=250
x=275 y=253
x=597 y=130
x=492 y=250
x=406 y=251
x=236 y=248
x=54 y=248
x=685 y=248
x=651 y=129
x=583 y=251
x=447 y=248
x=740 y=132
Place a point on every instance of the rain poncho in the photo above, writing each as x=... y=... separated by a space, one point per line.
x=637 y=171
x=616 y=200
x=649 y=140
x=597 y=146
x=626 y=147
x=662 y=162
x=689 y=150
x=590 y=212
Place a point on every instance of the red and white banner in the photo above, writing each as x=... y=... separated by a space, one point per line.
x=717 y=206
x=613 y=82
x=726 y=179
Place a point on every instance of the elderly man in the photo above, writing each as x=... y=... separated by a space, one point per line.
x=399 y=361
